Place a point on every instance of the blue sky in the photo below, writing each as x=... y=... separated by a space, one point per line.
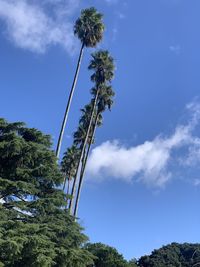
x=142 y=187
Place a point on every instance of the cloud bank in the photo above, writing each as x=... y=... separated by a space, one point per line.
x=151 y=161
x=36 y=25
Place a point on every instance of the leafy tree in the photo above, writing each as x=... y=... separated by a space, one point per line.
x=35 y=230
x=174 y=255
x=132 y=263
x=89 y=29
x=106 y=256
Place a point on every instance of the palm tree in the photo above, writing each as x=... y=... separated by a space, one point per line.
x=80 y=134
x=89 y=29
x=102 y=64
x=104 y=100
x=68 y=167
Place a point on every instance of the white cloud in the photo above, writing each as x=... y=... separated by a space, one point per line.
x=148 y=162
x=30 y=26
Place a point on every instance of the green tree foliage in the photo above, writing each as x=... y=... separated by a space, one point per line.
x=89 y=27
x=132 y=263
x=174 y=255
x=102 y=65
x=35 y=230
x=106 y=256
x=80 y=133
x=68 y=167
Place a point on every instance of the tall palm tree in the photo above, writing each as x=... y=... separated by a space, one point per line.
x=104 y=101
x=68 y=167
x=89 y=29
x=102 y=64
x=80 y=134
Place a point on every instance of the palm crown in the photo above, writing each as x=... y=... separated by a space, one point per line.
x=80 y=134
x=69 y=162
x=89 y=27
x=105 y=98
x=103 y=65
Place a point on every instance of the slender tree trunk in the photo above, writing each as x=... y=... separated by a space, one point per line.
x=73 y=189
x=69 y=103
x=67 y=193
x=64 y=184
x=82 y=153
x=83 y=168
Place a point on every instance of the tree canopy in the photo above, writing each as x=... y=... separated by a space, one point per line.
x=106 y=256
x=35 y=230
x=89 y=27
x=174 y=255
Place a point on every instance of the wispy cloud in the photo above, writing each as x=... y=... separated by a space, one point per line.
x=114 y=34
x=175 y=49
x=115 y=29
x=29 y=24
x=112 y=1
x=121 y=15
x=148 y=162
x=196 y=182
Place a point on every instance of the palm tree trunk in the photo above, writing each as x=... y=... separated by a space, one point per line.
x=82 y=153
x=67 y=193
x=83 y=168
x=69 y=103
x=64 y=184
x=73 y=190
